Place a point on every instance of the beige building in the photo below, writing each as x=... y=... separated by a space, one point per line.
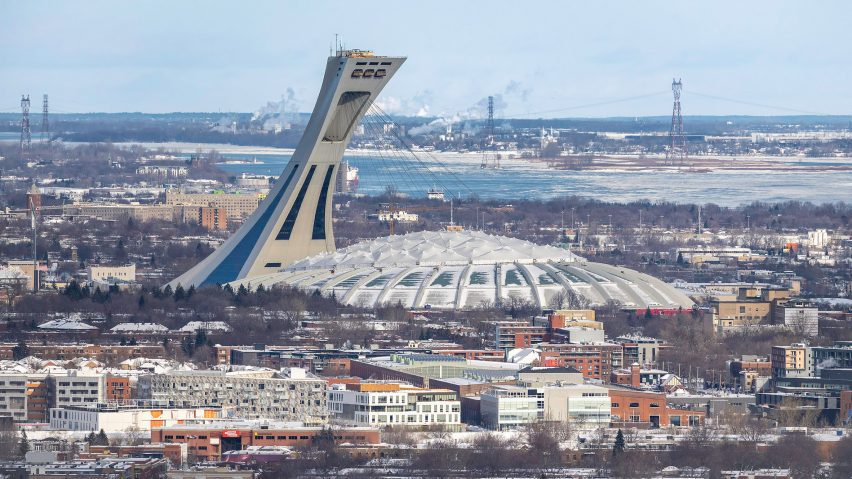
x=27 y=268
x=790 y=361
x=238 y=206
x=141 y=213
x=105 y=272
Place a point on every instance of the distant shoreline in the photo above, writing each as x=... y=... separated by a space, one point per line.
x=602 y=163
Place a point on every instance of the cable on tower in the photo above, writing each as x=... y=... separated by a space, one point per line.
x=26 y=136
x=676 y=152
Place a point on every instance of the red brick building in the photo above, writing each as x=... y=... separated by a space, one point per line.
x=209 y=441
x=117 y=389
x=595 y=361
x=649 y=408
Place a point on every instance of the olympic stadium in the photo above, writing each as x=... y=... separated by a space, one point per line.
x=465 y=270
x=289 y=239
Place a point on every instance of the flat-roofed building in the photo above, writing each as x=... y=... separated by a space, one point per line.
x=252 y=394
x=791 y=361
x=394 y=404
x=238 y=206
x=102 y=272
x=509 y=407
x=208 y=440
x=116 y=419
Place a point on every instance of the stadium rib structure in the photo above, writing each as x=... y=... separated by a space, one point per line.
x=466 y=270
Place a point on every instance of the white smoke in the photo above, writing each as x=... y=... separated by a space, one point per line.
x=828 y=363
x=278 y=114
x=469 y=120
x=418 y=105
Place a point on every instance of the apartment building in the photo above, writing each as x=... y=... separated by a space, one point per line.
x=594 y=360
x=13 y=397
x=77 y=389
x=791 y=361
x=799 y=317
x=295 y=396
x=394 y=404
x=238 y=206
x=517 y=334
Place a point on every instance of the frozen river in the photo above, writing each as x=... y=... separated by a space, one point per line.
x=521 y=179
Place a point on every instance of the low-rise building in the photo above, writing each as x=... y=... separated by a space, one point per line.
x=209 y=440
x=799 y=317
x=394 y=404
x=117 y=419
x=509 y=407
x=105 y=273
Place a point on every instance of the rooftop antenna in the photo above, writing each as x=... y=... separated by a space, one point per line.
x=451 y=212
x=336 y=45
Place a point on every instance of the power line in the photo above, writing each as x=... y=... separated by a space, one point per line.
x=751 y=103
x=589 y=105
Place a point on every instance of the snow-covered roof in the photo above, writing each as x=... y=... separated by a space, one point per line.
x=67 y=325
x=465 y=270
x=436 y=248
x=210 y=326
x=139 y=327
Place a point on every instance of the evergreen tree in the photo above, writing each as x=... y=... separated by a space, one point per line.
x=91 y=438
x=619 y=445
x=141 y=301
x=167 y=291
x=190 y=292
x=648 y=314
x=24 y=445
x=679 y=258
x=20 y=351
x=180 y=293
x=102 y=439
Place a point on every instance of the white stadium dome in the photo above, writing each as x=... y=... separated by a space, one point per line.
x=465 y=270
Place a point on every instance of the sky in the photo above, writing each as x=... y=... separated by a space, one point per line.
x=538 y=58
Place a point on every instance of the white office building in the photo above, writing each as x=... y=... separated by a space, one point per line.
x=510 y=407
x=394 y=404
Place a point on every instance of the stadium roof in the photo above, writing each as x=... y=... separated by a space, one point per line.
x=465 y=270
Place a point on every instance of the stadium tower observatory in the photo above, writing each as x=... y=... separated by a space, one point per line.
x=294 y=221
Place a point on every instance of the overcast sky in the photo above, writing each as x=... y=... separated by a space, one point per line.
x=547 y=59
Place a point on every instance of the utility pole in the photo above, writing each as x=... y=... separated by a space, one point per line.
x=699 y=219
x=35 y=237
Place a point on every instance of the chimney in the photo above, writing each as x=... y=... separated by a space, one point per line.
x=634 y=375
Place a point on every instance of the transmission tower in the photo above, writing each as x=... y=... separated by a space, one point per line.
x=26 y=136
x=676 y=152
x=45 y=126
x=491 y=119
